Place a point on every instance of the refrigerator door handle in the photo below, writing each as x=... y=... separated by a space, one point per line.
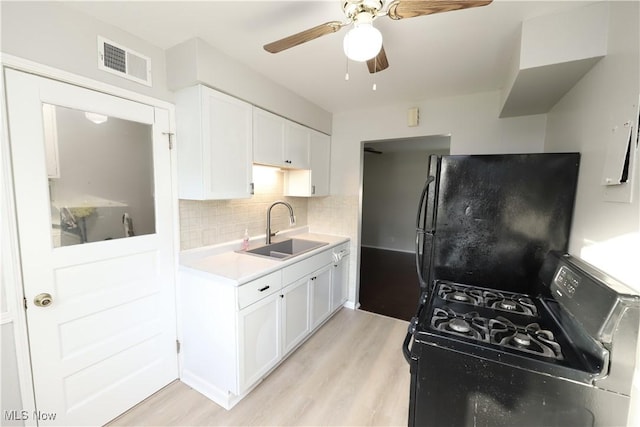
x=421 y=231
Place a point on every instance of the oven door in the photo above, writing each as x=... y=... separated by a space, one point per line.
x=453 y=388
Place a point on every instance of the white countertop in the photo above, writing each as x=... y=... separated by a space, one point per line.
x=223 y=263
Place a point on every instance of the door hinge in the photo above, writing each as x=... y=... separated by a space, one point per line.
x=170 y=135
x=178 y=346
x=24 y=300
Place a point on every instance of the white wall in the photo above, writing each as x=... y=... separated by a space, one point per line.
x=604 y=233
x=471 y=120
x=53 y=35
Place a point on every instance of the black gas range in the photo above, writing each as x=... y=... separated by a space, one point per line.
x=487 y=357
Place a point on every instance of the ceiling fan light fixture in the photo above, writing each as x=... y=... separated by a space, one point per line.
x=362 y=42
x=96 y=118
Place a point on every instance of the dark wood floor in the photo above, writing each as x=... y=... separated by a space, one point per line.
x=388 y=283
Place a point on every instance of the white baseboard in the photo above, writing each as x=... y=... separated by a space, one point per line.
x=351 y=305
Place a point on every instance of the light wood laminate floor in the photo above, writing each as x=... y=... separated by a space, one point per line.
x=351 y=372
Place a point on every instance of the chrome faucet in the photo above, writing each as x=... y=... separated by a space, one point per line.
x=292 y=218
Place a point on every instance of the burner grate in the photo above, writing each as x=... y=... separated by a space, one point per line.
x=469 y=325
x=496 y=300
x=530 y=339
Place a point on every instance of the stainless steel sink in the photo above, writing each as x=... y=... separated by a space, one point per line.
x=285 y=249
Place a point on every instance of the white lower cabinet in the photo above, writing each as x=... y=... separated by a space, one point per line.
x=232 y=336
x=321 y=296
x=259 y=340
x=295 y=314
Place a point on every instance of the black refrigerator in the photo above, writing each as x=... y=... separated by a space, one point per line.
x=491 y=219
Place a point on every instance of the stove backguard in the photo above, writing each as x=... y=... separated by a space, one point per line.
x=600 y=314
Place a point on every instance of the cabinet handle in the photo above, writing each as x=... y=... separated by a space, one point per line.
x=313 y=189
x=251 y=189
x=263 y=289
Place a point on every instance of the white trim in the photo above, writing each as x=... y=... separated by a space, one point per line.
x=11 y=261
x=383 y=248
x=352 y=305
x=12 y=269
x=6 y=317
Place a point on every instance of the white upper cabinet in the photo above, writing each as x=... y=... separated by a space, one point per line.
x=268 y=138
x=315 y=181
x=279 y=142
x=296 y=145
x=215 y=145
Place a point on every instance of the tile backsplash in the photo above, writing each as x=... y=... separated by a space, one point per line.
x=210 y=222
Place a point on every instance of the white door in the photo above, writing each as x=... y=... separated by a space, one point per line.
x=96 y=246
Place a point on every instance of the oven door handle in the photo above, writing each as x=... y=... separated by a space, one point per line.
x=406 y=349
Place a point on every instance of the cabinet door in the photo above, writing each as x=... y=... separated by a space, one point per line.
x=339 y=282
x=320 y=153
x=258 y=340
x=268 y=138
x=321 y=295
x=228 y=146
x=296 y=146
x=214 y=145
x=295 y=314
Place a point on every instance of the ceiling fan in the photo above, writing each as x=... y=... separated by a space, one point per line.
x=363 y=42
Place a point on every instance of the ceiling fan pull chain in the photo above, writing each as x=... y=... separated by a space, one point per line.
x=346 y=76
x=375 y=70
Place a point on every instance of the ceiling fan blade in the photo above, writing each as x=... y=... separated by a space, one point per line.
x=399 y=9
x=378 y=63
x=303 y=37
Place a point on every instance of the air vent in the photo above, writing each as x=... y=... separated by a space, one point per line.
x=124 y=62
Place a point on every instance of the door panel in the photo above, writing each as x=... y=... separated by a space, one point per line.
x=259 y=342
x=295 y=314
x=107 y=339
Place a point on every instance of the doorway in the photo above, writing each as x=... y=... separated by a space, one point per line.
x=394 y=172
x=93 y=193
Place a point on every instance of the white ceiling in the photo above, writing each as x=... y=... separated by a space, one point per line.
x=447 y=54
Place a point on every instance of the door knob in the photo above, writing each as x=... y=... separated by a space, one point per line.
x=43 y=300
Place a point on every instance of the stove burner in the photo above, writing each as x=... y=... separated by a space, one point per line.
x=508 y=304
x=505 y=301
x=459 y=325
x=522 y=339
x=468 y=325
x=459 y=296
